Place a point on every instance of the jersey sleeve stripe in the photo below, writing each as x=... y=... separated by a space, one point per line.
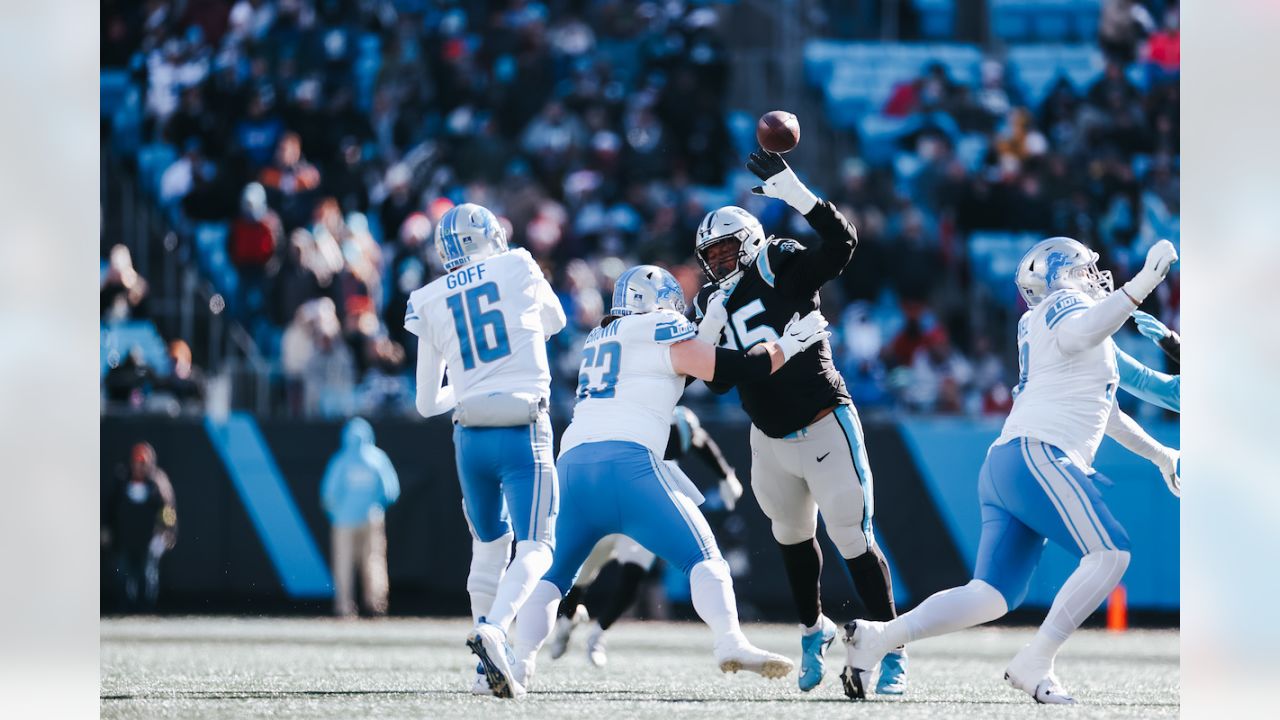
x=1053 y=321
x=762 y=262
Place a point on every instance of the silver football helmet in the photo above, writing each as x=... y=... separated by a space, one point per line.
x=1059 y=263
x=729 y=224
x=646 y=288
x=468 y=233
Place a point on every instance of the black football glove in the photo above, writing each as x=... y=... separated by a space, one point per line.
x=780 y=181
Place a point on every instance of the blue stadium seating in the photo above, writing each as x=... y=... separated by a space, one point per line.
x=993 y=260
x=1053 y=21
x=116 y=340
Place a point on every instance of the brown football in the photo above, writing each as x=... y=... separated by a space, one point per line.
x=778 y=131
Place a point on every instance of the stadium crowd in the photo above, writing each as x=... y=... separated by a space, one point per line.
x=328 y=136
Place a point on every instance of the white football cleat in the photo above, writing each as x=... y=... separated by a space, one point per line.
x=738 y=654
x=865 y=646
x=564 y=628
x=1036 y=678
x=489 y=643
x=595 y=646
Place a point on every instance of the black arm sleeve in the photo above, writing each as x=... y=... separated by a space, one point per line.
x=709 y=451
x=824 y=261
x=734 y=366
x=1172 y=346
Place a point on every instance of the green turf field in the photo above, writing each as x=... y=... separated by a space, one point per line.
x=294 y=668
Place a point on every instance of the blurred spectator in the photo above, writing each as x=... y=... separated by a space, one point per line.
x=122 y=292
x=318 y=368
x=185 y=382
x=1123 y=25
x=180 y=177
x=131 y=380
x=291 y=180
x=255 y=233
x=359 y=483
x=140 y=524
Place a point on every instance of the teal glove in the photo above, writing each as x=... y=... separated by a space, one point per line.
x=1151 y=328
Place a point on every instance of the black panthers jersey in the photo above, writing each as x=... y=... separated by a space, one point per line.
x=784 y=280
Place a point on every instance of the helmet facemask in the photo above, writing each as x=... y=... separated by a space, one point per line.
x=715 y=258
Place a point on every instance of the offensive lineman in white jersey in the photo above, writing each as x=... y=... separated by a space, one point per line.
x=633 y=372
x=487 y=321
x=1037 y=483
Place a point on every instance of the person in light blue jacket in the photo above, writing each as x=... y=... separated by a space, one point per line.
x=358 y=485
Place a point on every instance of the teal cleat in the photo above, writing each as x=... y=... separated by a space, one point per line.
x=893 y=673
x=813 y=649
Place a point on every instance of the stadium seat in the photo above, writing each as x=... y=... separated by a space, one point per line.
x=117 y=339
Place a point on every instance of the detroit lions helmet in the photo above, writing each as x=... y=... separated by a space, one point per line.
x=646 y=288
x=729 y=224
x=1061 y=263
x=468 y=233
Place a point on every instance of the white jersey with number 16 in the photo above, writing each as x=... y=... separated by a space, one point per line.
x=489 y=321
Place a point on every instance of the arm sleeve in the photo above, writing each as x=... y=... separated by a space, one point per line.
x=1079 y=326
x=818 y=263
x=1148 y=385
x=699 y=309
x=735 y=366
x=432 y=399
x=1126 y=431
x=709 y=451
x=553 y=318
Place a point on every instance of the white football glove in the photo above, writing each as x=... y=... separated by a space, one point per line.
x=780 y=181
x=1172 y=473
x=802 y=333
x=730 y=491
x=714 y=319
x=1160 y=258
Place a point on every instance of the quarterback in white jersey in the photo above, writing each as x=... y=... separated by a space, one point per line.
x=613 y=478
x=1037 y=483
x=487 y=322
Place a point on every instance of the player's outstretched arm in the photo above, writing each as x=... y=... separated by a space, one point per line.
x=1082 y=328
x=705 y=446
x=1148 y=385
x=707 y=362
x=820 y=262
x=1126 y=431
x=432 y=399
x=1158 y=333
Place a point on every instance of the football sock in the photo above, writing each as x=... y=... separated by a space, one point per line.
x=870 y=574
x=532 y=561
x=804 y=570
x=1080 y=595
x=712 y=589
x=624 y=595
x=534 y=622
x=572 y=599
x=488 y=562
x=947 y=611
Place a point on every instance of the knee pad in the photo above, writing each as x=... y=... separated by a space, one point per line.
x=789 y=533
x=488 y=560
x=991 y=601
x=848 y=539
x=714 y=569
x=1111 y=562
x=534 y=556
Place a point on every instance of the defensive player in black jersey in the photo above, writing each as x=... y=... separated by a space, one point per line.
x=807 y=451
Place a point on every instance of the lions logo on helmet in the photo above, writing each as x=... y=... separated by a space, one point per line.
x=729 y=224
x=646 y=288
x=468 y=233
x=1061 y=263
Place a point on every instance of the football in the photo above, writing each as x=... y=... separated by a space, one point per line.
x=778 y=131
